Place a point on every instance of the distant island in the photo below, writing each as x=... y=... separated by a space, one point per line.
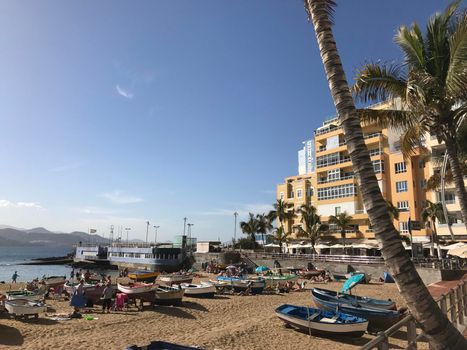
x=39 y=236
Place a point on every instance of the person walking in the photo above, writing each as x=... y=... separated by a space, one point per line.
x=14 y=277
x=107 y=297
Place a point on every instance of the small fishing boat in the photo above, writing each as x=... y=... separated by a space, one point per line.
x=22 y=307
x=137 y=288
x=379 y=319
x=161 y=345
x=25 y=294
x=92 y=290
x=143 y=275
x=354 y=299
x=166 y=295
x=309 y=274
x=176 y=278
x=53 y=281
x=273 y=280
x=239 y=284
x=204 y=290
x=327 y=323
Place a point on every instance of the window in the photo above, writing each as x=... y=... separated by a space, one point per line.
x=281 y=196
x=400 y=167
x=299 y=193
x=378 y=166
x=423 y=183
x=449 y=197
x=403 y=227
x=334 y=174
x=331 y=159
x=341 y=191
x=291 y=194
x=374 y=152
x=337 y=210
x=403 y=206
x=401 y=186
x=421 y=164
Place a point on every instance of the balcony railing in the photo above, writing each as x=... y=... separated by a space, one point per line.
x=333 y=162
x=325 y=180
x=324 y=148
x=326 y=130
x=371 y=135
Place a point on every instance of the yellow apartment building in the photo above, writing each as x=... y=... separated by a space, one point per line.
x=330 y=184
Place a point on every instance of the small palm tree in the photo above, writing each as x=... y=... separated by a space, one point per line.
x=250 y=227
x=342 y=221
x=283 y=211
x=312 y=226
x=264 y=225
x=281 y=237
x=431 y=213
x=392 y=210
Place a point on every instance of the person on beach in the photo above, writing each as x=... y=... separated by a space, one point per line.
x=78 y=300
x=72 y=274
x=107 y=297
x=14 y=277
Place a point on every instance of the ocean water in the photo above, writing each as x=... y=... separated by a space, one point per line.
x=11 y=257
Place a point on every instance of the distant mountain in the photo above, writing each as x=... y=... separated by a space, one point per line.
x=40 y=236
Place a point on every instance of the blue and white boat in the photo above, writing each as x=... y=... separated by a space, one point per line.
x=327 y=323
x=354 y=299
x=239 y=284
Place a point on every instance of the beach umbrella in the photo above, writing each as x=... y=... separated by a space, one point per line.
x=352 y=282
x=260 y=269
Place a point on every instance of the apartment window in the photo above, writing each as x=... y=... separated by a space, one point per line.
x=299 y=193
x=378 y=166
x=403 y=227
x=331 y=159
x=401 y=186
x=403 y=205
x=400 y=167
x=291 y=194
x=423 y=183
x=337 y=210
x=341 y=191
x=281 y=195
x=449 y=197
x=334 y=174
x=374 y=152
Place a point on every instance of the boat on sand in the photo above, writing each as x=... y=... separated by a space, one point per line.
x=22 y=307
x=203 y=290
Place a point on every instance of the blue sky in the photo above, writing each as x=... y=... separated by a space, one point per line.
x=118 y=112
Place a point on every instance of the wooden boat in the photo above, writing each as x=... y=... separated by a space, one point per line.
x=354 y=299
x=137 y=288
x=92 y=291
x=379 y=319
x=25 y=295
x=240 y=285
x=166 y=295
x=22 y=307
x=176 y=278
x=328 y=323
x=143 y=275
x=53 y=281
x=309 y=274
x=161 y=345
x=204 y=290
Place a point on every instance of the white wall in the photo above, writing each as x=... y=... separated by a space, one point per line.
x=329 y=209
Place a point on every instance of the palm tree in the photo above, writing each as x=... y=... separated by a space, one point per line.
x=281 y=236
x=264 y=225
x=431 y=213
x=250 y=227
x=342 y=221
x=432 y=86
x=312 y=226
x=282 y=211
x=392 y=210
x=440 y=332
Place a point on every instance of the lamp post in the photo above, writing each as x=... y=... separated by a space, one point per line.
x=235 y=229
x=155 y=234
x=147 y=230
x=127 y=229
x=184 y=226
x=189 y=235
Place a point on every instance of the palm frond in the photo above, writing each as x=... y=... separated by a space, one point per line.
x=323 y=8
x=411 y=43
x=411 y=139
x=385 y=118
x=380 y=82
x=456 y=78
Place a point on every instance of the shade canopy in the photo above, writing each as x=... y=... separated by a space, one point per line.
x=262 y=268
x=352 y=282
x=461 y=251
x=452 y=246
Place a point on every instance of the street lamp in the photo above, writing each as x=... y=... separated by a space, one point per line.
x=147 y=230
x=235 y=229
x=189 y=235
x=155 y=234
x=127 y=229
x=184 y=226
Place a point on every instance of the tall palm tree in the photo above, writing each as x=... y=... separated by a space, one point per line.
x=431 y=213
x=264 y=225
x=312 y=226
x=281 y=237
x=250 y=227
x=342 y=221
x=283 y=211
x=432 y=86
x=440 y=332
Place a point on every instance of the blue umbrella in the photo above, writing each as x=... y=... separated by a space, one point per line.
x=260 y=269
x=352 y=282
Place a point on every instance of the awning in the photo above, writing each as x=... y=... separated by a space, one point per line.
x=461 y=252
x=322 y=246
x=272 y=245
x=452 y=246
x=337 y=246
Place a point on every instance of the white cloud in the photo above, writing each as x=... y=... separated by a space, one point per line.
x=118 y=197
x=66 y=167
x=124 y=92
x=4 y=203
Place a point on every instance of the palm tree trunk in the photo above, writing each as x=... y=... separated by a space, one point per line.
x=440 y=332
x=436 y=239
x=458 y=177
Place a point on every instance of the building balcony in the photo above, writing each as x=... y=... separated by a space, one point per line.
x=342 y=178
x=333 y=162
x=326 y=129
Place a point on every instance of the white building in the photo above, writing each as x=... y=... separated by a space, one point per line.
x=305 y=158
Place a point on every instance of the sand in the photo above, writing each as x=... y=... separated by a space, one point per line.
x=226 y=322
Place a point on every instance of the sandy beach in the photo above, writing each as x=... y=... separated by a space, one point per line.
x=226 y=322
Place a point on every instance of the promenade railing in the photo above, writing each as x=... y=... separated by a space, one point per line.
x=453 y=304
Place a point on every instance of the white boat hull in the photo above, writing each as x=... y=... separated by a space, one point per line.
x=138 y=289
x=199 y=290
x=168 y=295
x=176 y=279
x=21 y=307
